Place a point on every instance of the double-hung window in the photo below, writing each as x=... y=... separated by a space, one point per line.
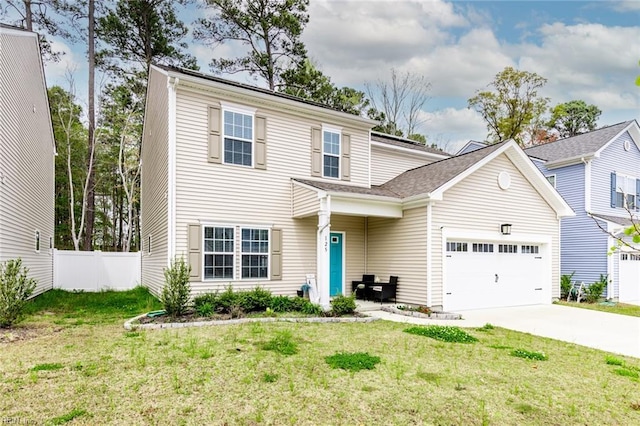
x=222 y=256
x=331 y=153
x=625 y=196
x=219 y=256
x=255 y=253
x=238 y=137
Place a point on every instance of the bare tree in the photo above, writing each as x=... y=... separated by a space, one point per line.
x=400 y=99
x=129 y=171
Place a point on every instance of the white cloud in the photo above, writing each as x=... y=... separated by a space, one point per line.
x=56 y=72
x=626 y=5
x=451 y=128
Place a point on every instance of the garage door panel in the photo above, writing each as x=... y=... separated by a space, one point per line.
x=629 y=278
x=505 y=275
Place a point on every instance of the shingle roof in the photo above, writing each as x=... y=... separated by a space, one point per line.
x=624 y=221
x=245 y=86
x=425 y=179
x=577 y=146
x=405 y=143
x=350 y=189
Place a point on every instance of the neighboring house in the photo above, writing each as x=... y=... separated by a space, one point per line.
x=598 y=174
x=259 y=188
x=27 y=150
x=471 y=146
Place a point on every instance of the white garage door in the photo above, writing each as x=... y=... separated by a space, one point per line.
x=629 y=286
x=491 y=274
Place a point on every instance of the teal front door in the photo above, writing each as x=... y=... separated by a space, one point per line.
x=336 y=264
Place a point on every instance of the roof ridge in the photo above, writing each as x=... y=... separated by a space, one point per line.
x=581 y=134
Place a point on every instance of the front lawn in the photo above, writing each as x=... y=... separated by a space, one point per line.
x=618 y=308
x=280 y=373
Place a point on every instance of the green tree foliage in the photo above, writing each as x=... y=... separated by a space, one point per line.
x=140 y=32
x=307 y=82
x=71 y=143
x=176 y=290
x=512 y=104
x=573 y=118
x=269 y=29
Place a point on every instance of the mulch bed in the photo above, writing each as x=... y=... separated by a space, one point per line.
x=192 y=316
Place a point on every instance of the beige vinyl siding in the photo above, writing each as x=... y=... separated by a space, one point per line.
x=26 y=157
x=354 y=237
x=231 y=194
x=154 y=183
x=305 y=201
x=387 y=163
x=399 y=247
x=478 y=204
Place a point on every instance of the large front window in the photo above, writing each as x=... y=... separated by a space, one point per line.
x=331 y=154
x=238 y=138
x=218 y=253
x=255 y=253
x=222 y=257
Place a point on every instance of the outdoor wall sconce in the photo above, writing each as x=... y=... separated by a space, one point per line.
x=505 y=229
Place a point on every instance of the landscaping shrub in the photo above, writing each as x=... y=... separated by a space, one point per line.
x=343 y=305
x=443 y=333
x=594 y=291
x=353 y=361
x=210 y=299
x=565 y=285
x=523 y=353
x=256 y=300
x=228 y=301
x=282 y=304
x=204 y=309
x=175 y=294
x=15 y=289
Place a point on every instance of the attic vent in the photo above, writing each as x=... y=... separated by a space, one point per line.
x=627 y=145
x=504 y=180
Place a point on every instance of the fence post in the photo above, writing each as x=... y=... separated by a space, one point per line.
x=56 y=279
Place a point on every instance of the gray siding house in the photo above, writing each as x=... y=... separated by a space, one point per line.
x=27 y=150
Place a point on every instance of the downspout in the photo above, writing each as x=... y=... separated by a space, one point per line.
x=429 y=253
x=322 y=257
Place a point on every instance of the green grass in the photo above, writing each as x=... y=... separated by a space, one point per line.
x=533 y=355
x=353 y=361
x=618 y=308
x=77 y=308
x=47 y=367
x=222 y=375
x=282 y=343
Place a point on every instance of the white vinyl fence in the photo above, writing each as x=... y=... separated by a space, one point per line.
x=96 y=270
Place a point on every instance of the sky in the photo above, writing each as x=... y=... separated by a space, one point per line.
x=587 y=50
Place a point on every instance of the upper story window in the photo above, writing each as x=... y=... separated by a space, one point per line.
x=331 y=153
x=238 y=138
x=624 y=191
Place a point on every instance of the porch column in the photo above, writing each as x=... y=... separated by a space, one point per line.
x=324 y=231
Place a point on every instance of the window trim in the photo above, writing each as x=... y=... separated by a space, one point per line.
x=238 y=109
x=213 y=253
x=338 y=131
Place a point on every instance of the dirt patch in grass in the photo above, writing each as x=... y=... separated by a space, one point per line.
x=25 y=332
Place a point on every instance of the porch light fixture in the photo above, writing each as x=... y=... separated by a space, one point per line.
x=505 y=229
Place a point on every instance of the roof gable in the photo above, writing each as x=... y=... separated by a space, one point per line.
x=471 y=146
x=586 y=145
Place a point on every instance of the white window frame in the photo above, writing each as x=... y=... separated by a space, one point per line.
x=237 y=109
x=620 y=189
x=550 y=178
x=213 y=253
x=268 y=253
x=338 y=131
x=529 y=249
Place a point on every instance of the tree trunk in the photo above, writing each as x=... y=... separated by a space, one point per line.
x=91 y=196
x=28 y=15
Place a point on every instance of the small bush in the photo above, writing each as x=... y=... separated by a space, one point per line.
x=594 y=291
x=256 y=300
x=204 y=309
x=523 y=353
x=443 y=333
x=282 y=343
x=175 y=294
x=565 y=284
x=353 y=361
x=343 y=305
x=210 y=299
x=15 y=289
x=228 y=300
x=282 y=304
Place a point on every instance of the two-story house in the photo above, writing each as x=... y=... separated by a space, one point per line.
x=598 y=174
x=254 y=187
x=27 y=150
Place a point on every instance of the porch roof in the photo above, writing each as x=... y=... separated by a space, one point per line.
x=349 y=189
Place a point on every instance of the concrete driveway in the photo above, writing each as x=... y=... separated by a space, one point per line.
x=600 y=330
